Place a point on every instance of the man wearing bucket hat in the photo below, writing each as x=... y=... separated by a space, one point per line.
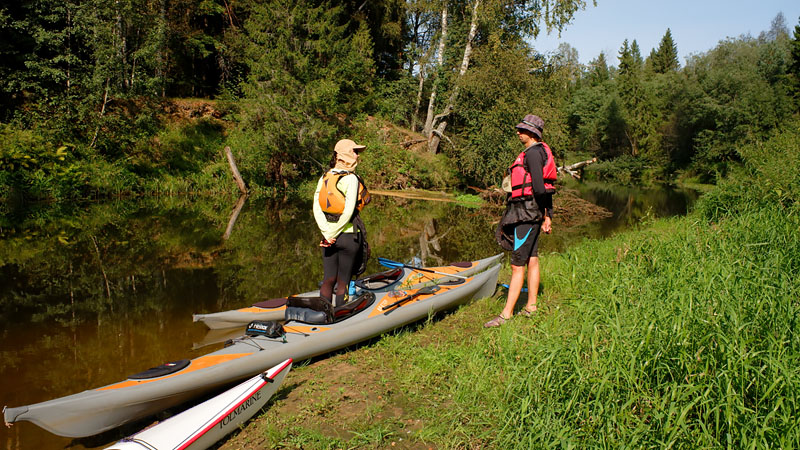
x=528 y=212
x=339 y=197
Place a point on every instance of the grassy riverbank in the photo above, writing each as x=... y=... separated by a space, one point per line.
x=682 y=333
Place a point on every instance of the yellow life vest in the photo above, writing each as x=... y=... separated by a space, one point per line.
x=331 y=199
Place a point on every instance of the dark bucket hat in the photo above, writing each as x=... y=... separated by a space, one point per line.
x=532 y=123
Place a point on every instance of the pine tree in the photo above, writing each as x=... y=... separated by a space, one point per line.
x=630 y=58
x=665 y=59
x=794 y=68
x=625 y=58
x=599 y=72
x=635 y=103
x=636 y=54
x=305 y=66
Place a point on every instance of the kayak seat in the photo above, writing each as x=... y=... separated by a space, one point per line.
x=380 y=280
x=306 y=315
x=462 y=264
x=353 y=307
x=313 y=310
x=315 y=303
x=160 y=371
x=271 y=303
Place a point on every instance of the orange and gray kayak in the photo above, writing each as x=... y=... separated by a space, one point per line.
x=274 y=309
x=370 y=314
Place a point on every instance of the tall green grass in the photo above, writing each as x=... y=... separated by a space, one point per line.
x=683 y=334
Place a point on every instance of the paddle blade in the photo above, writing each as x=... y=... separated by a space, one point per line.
x=428 y=290
x=389 y=263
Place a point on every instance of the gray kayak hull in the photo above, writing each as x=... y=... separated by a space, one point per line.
x=94 y=411
x=243 y=316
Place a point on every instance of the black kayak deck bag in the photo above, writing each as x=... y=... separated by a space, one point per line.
x=266 y=328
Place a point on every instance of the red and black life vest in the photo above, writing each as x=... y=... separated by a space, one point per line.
x=331 y=199
x=521 y=184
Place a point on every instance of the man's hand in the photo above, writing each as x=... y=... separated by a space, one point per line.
x=547 y=226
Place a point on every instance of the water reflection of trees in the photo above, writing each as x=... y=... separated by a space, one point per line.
x=98 y=259
x=138 y=257
x=428 y=240
x=632 y=205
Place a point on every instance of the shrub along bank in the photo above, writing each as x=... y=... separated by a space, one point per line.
x=682 y=333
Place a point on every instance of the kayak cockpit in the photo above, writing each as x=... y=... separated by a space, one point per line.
x=162 y=370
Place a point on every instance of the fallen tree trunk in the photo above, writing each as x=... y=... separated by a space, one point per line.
x=236 y=175
x=408 y=144
x=573 y=169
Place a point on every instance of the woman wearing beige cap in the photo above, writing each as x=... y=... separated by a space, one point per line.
x=339 y=197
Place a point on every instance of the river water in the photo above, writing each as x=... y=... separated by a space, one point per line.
x=97 y=292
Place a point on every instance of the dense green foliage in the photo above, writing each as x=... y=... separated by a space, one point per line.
x=87 y=93
x=692 y=120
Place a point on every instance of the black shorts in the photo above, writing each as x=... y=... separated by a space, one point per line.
x=526 y=243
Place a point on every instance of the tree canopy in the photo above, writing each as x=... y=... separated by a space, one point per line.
x=84 y=88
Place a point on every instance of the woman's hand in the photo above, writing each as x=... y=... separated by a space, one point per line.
x=327 y=243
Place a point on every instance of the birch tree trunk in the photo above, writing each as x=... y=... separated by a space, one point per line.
x=102 y=112
x=632 y=141
x=438 y=121
x=69 y=46
x=428 y=129
x=419 y=98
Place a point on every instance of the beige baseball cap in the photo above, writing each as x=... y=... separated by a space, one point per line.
x=347 y=150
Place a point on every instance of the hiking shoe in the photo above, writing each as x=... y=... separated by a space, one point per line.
x=525 y=312
x=496 y=322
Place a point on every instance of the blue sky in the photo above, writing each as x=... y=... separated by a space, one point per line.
x=696 y=25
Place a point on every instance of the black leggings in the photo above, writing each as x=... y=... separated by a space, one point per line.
x=337 y=265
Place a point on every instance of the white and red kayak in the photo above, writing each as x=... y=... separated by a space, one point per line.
x=201 y=426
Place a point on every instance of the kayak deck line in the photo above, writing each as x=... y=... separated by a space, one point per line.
x=255 y=309
x=199 y=363
x=304 y=329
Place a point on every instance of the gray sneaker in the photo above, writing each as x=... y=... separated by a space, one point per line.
x=496 y=322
